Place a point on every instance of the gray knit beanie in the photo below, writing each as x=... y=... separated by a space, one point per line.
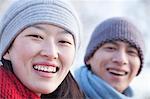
x=25 y=13
x=117 y=28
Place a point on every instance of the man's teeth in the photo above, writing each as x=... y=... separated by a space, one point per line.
x=116 y=72
x=45 y=68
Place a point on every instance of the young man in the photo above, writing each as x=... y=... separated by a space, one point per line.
x=114 y=56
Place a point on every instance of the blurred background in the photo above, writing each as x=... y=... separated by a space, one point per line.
x=92 y=12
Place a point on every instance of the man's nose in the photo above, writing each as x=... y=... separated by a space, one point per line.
x=120 y=57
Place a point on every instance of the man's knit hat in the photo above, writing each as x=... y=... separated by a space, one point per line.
x=25 y=13
x=117 y=28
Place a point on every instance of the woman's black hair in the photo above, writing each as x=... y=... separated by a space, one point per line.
x=7 y=64
x=67 y=90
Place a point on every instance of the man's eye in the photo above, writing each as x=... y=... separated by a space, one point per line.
x=110 y=48
x=133 y=53
x=35 y=36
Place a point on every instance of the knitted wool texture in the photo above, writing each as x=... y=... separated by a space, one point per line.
x=30 y=12
x=12 y=88
x=117 y=28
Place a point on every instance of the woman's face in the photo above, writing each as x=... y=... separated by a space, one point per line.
x=41 y=57
x=117 y=63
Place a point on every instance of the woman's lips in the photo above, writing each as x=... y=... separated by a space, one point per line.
x=46 y=71
x=45 y=68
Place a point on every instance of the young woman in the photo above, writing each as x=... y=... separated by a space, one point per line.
x=114 y=56
x=38 y=43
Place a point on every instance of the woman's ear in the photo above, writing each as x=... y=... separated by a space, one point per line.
x=6 y=56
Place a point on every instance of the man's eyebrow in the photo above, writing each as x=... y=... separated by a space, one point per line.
x=132 y=46
x=112 y=42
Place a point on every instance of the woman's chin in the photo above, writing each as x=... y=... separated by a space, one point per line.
x=48 y=90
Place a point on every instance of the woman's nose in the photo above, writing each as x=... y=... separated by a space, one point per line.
x=50 y=50
x=120 y=57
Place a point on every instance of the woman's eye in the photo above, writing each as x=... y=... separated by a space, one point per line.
x=35 y=36
x=65 y=42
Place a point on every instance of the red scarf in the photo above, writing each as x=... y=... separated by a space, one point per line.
x=12 y=88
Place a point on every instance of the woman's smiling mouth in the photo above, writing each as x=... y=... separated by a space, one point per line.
x=44 y=68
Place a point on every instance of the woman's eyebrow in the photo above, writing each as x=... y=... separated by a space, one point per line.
x=43 y=29
x=64 y=32
x=38 y=27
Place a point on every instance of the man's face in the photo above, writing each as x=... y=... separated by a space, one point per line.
x=117 y=63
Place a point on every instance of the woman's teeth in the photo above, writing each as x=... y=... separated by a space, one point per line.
x=49 y=69
x=117 y=72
